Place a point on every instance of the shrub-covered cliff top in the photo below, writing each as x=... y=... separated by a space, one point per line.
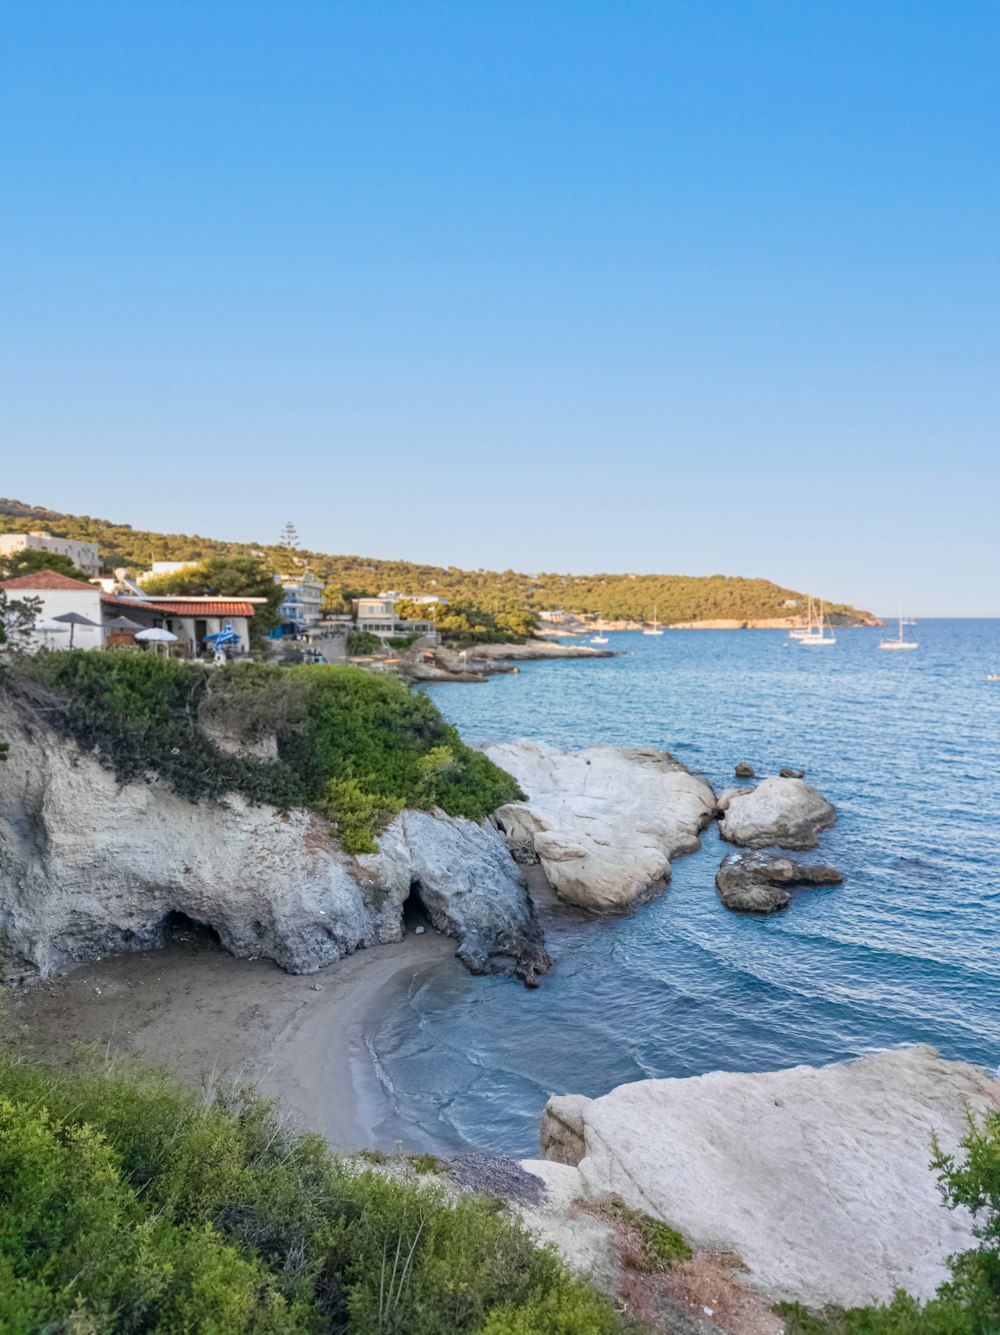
x=354 y=745
x=611 y=596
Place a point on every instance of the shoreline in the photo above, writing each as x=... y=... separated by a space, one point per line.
x=206 y=1016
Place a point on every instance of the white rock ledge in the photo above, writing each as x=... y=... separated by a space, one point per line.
x=604 y=823
x=817 y=1176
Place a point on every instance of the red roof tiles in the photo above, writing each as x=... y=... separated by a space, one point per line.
x=214 y=607
x=218 y=607
x=47 y=579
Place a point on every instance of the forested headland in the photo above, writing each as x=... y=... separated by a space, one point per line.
x=612 y=597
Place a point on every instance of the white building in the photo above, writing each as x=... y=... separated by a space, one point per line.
x=60 y=595
x=303 y=599
x=377 y=615
x=84 y=555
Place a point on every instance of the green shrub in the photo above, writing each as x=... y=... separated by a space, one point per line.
x=140 y=712
x=369 y=748
x=362 y=642
x=356 y=814
x=403 y=641
x=129 y=1204
x=660 y=1246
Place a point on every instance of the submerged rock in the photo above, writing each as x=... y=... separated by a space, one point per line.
x=785 y=813
x=817 y=1178
x=89 y=868
x=604 y=822
x=758 y=882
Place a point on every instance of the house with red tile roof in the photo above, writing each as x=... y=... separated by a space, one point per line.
x=194 y=620
x=60 y=596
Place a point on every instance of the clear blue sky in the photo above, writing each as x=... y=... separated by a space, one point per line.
x=687 y=287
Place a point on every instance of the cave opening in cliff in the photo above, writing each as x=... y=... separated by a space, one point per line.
x=180 y=928
x=414 y=913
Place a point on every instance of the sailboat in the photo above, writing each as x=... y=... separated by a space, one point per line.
x=899 y=643
x=600 y=637
x=656 y=629
x=818 y=636
x=800 y=632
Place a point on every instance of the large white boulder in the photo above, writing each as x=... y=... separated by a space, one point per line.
x=818 y=1177
x=782 y=812
x=604 y=823
x=89 y=867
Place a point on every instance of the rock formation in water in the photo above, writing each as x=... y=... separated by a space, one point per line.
x=783 y=813
x=89 y=867
x=758 y=882
x=817 y=1178
x=604 y=823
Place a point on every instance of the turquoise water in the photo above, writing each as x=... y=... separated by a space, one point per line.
x=907 y=950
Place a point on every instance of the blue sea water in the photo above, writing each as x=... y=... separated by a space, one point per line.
x=908 y=950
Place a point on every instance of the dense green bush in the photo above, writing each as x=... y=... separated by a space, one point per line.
x=352 y=744
x=360 y=643
x=464 y=623
x=369 y=747
x=127 y=1204
x=139 y=712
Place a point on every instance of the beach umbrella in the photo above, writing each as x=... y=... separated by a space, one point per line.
x=157 y=634
x=123 y=623
x=74 y=619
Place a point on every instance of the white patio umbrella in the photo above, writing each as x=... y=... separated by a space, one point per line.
x=47 y=626
x=158 y=634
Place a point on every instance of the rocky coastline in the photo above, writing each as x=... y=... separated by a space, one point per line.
x=91 y=867
x=815 y=1179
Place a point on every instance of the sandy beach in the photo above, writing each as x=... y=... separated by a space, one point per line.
x=204 y=1015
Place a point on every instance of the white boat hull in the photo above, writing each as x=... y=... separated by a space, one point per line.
x=814 y=642
x=897 y=644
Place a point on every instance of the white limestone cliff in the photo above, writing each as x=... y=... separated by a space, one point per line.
x=89 y=867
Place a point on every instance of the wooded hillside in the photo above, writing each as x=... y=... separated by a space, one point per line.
x=613 y=597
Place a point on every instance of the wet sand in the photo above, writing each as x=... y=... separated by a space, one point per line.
x=204 y=1015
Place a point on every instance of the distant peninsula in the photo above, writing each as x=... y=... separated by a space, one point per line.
x=683 y=601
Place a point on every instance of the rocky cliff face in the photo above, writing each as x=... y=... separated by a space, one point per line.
x=817 y=1177
x=89 y=867
x=604 y=823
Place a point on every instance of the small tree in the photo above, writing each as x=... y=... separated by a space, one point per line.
x=29 y=560
x=229 y=577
